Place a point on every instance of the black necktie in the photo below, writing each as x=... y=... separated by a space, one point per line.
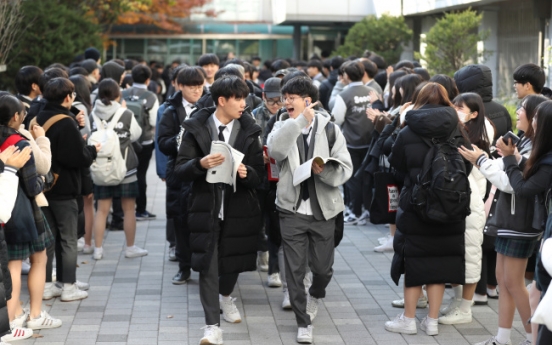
x=221 y=136
x=305 y=192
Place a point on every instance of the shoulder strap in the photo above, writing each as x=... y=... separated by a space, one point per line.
x=11 y=140
x=116 y=118
x=330 y=133
x=51 y=121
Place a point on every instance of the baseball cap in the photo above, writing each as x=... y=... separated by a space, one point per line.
x=272 y=87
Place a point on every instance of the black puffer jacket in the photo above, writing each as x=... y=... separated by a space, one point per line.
x=325 y=89
x=242 y=215
x=168 y=129
x=427 y=253
x=479 y=79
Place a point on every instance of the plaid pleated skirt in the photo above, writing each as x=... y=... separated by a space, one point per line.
x=125 y=190
x=21 y=251
x=515 y=248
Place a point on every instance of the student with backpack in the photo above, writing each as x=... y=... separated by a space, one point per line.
x=115 y=127
x=429 y=241
x=144 y=104
x=308 y=210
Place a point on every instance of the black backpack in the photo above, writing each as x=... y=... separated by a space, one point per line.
x=441 y=193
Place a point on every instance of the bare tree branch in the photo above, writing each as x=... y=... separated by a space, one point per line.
x=11 y=20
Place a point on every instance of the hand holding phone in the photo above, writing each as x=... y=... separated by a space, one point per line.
x=510 y=135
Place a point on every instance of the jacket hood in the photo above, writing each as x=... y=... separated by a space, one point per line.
x=112 y=70
x=105 y=112
x=475 y=78
x=432 y=121
x=176 y=99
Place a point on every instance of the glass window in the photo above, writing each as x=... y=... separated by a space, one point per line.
x=134 y=48
x=247 y=49
x=221 y=47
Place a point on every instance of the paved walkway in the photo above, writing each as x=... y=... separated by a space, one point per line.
x=132 y=301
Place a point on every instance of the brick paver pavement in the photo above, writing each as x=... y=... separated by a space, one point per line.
x=132 y=301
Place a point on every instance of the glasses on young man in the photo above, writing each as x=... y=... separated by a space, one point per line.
x=74 y=94
x=291 y=99
x=273 y=102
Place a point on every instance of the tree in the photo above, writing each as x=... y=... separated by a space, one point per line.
x=57 y=34
x=11 y=24
x=452 y=42
x=383 y=36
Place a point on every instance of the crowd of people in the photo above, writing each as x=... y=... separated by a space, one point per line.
x=314 y=146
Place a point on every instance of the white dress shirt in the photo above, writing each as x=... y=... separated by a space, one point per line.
x=226 y=134
x=305 y=205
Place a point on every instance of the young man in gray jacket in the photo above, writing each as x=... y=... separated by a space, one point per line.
x=308 y=210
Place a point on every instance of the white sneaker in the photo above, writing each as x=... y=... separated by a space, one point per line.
x=526 y=342
x=286 y=303
x=25 y=267
x=230 y=312
x=453 y=304
x=72 y=293
x=364 y=218
x=17 y=333
x=262 y=261
x=304 y=335
x=422 y=303
x=430 y=327
x=493 y=341
x=87 y=249
x=172 y=254
x=80 y=244
x=383 y=240
x=21 y=320
x=135 y=252
x=351 y=219
x=51 y=290
x=43 y=321
x=386 y=247
x=401 y=325
x=456 y=317
x=98 y=253
x=312 y=307
x=480 y=299
x=211 y=336
x=82 y=285
x=274 y=280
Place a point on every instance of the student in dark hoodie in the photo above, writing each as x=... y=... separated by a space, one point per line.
x=327 y=85
x=479 y=79
x=27 y=84
x=70 y=155
x=189 y=82
x=112 y=70
x=38 y=104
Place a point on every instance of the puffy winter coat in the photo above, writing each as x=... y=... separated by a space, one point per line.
x=479 y=79
x=427 y=253
x=242 y=214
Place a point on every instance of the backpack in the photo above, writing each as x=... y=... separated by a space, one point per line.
x=441 y=193
x=137 y=101
x=109 y=167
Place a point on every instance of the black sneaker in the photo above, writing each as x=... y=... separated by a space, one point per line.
x=145 y=215
x=181 y=277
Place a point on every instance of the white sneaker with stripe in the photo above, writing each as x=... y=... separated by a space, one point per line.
x=43 y=321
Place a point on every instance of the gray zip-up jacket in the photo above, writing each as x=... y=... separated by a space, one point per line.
x=282 y=146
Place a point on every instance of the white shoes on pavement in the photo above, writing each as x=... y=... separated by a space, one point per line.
x=456 y=317
x=304 y=335
x=421 y=304
x=230 y=312
x=493 y=341
x=286 y=303
x=385 y=247
x=44 y=321
x=453 y=304
x=274 y=280
x=262 y=261
x=430 y=326
x=98 y=253
x=135 y=252
x=17 y=333
x=72 y=293
x=400 y=324
x=312 y=307
x=212 y=335
x=51 y=290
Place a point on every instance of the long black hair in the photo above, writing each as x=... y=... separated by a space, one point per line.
x=82 y=88
x=392 y=79
x=477 y=130
x=9 y=105
x=530 y=104
x=408 y=84
x=542 y=144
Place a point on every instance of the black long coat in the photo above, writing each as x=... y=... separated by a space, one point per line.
x=426 y=253
x=242 y=215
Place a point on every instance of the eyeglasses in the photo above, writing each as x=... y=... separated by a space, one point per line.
x=291 y=99
x=272 y=102
x=74 y=94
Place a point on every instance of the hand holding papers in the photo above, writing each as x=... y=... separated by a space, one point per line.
x=304 y=171
x=227 y=171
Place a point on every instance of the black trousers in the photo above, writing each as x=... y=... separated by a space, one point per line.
x=211 y=284
x=182 y=242
x=545 y=336
x=62 y=217
x=144 y=157
x=488 y=266
x=354 y=186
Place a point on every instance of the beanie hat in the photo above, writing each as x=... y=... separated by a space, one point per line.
x=90 y=65
x=112 y=70
x=92 y=53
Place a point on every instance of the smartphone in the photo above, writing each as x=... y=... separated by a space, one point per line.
x=510 y=135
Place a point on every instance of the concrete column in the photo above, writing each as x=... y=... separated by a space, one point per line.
x=490 y=22
x=297 y=41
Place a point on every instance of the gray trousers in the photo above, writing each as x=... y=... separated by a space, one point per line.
x=62 y=218
x=212 y=284
x=301 y=236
